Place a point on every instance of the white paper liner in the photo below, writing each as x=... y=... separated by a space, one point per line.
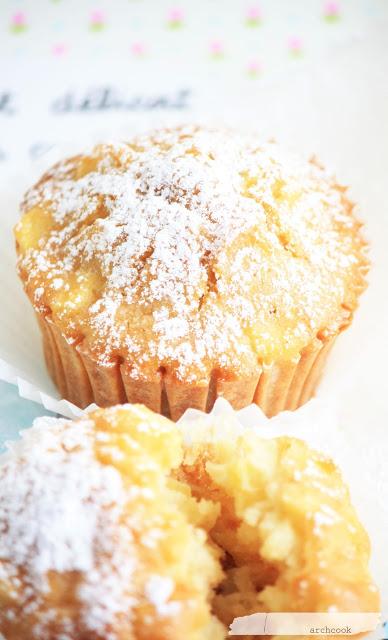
x=29 y=391
x=316 y=421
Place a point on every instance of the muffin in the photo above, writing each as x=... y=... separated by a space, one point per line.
x=97 y=541
x=189 y=264
x=124 y=526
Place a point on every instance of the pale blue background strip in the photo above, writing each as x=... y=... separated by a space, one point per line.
x=15 y=413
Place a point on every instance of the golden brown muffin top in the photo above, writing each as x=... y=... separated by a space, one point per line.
x=191 y=249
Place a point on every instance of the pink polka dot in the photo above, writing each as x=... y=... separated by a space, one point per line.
x=19 y=19
x=97 y=16
x=216 y=48
x=59 y=49
x=18 y=22
x=331 y=8
x=254 y=13
x=254 y=67
x=175 y=14
x=138 y=48
x=295 y=44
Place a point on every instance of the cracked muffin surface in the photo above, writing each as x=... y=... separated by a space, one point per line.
x=125 y=526
x=190 y=252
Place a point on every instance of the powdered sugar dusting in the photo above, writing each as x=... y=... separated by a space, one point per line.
x=197 y=249
x=159 y=589
x=60 y=511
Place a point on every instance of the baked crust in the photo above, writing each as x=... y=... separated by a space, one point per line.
x=191 y=255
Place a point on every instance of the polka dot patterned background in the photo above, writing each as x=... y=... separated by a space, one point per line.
x=253 y=39
x=159 y=60
x=234 y=31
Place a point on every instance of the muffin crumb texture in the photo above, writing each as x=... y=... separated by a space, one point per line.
x=124 y=526
x=189 y=250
